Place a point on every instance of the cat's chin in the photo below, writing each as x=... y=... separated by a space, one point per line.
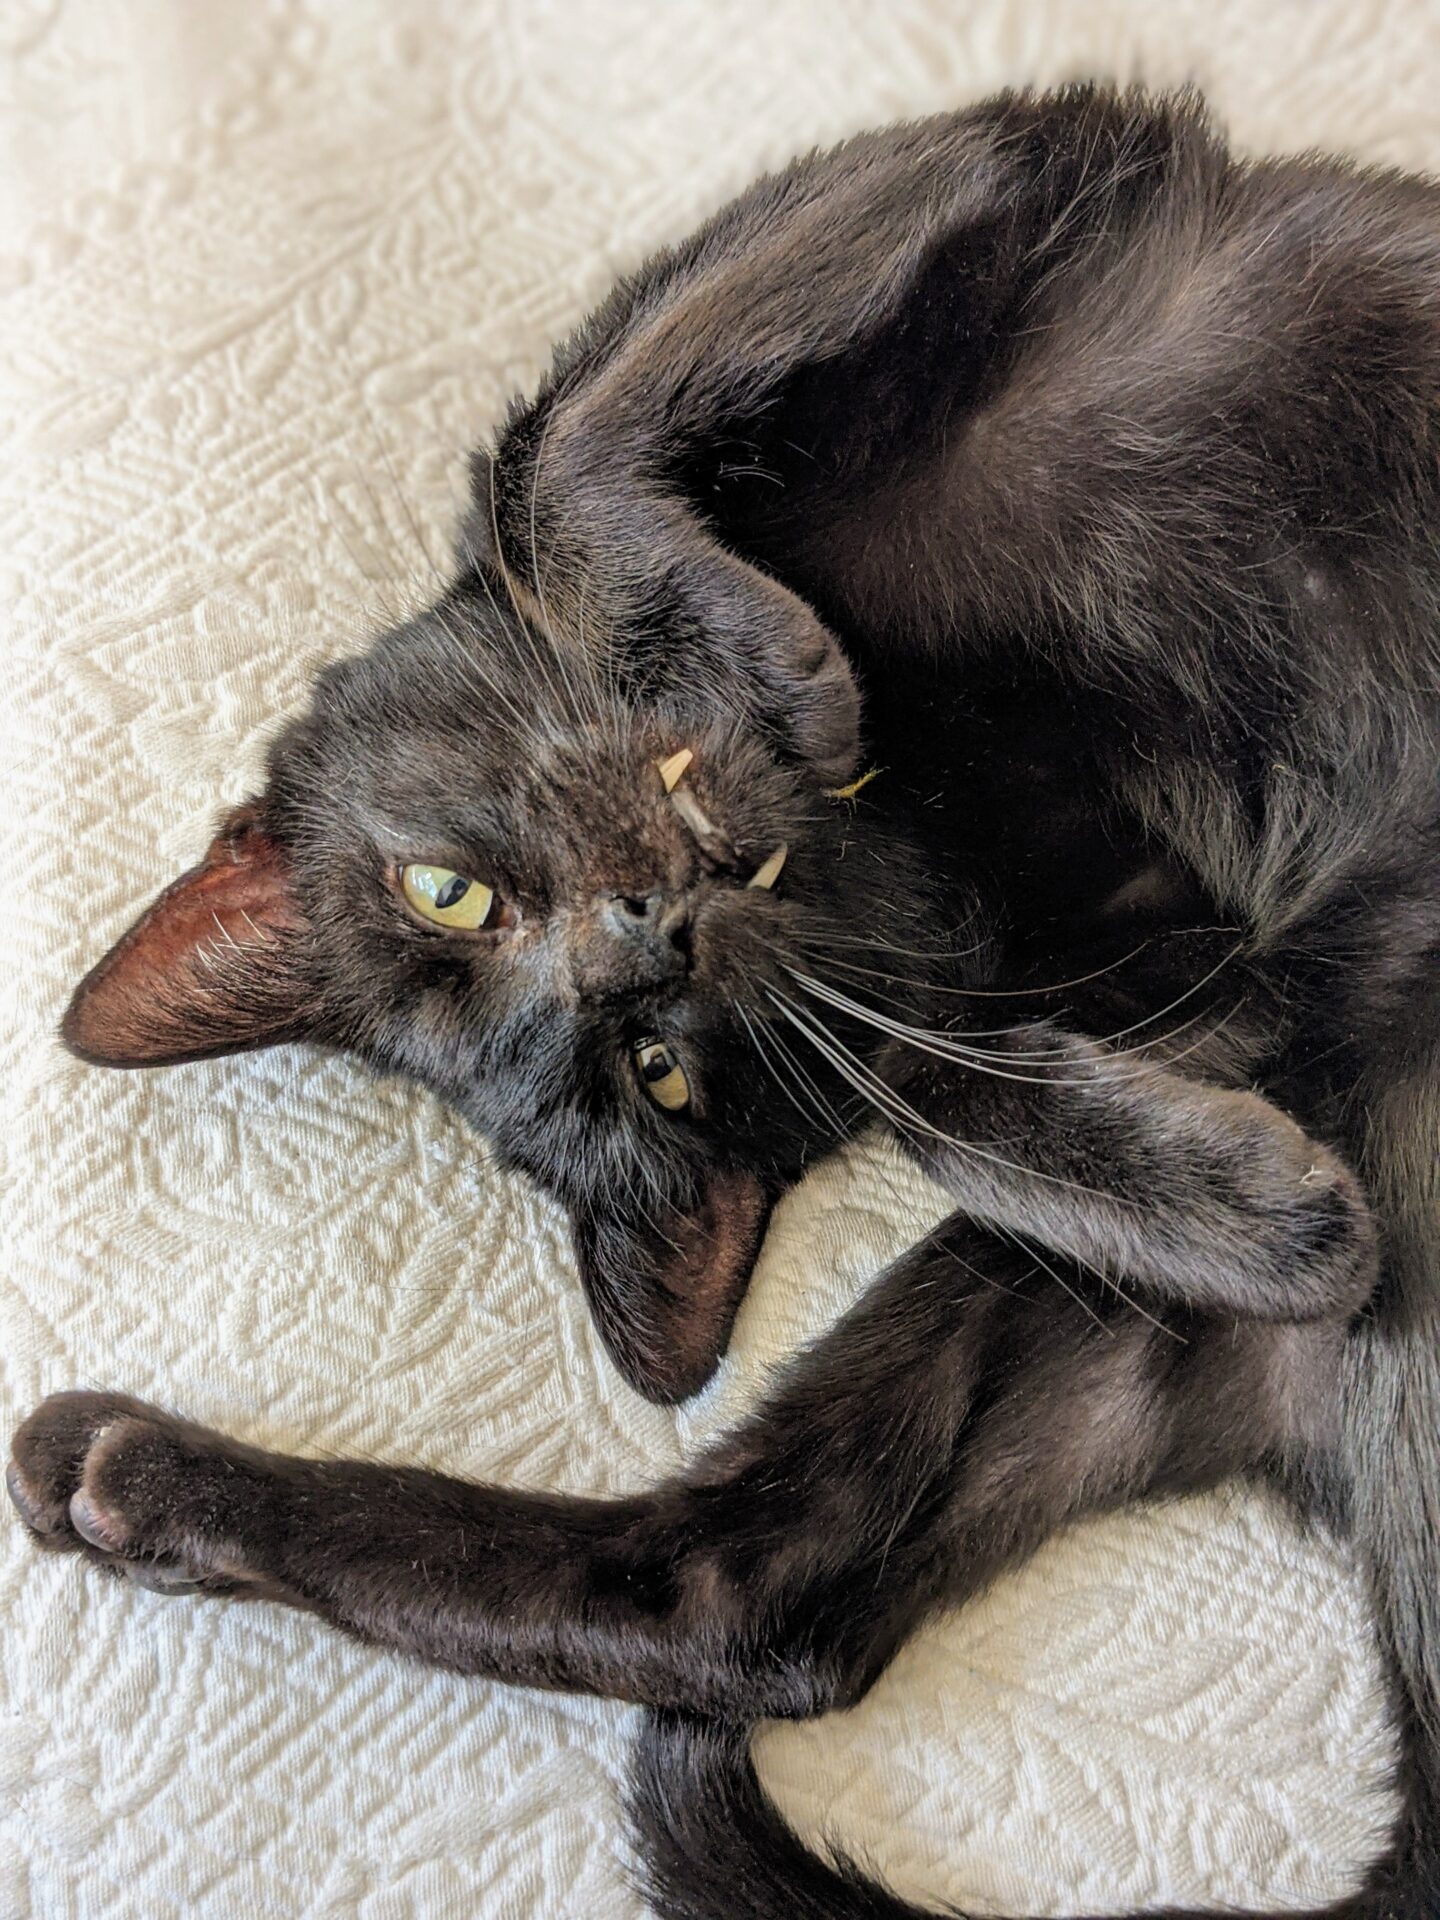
x=665 y=1301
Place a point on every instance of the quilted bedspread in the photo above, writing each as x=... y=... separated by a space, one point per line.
x=267 y=270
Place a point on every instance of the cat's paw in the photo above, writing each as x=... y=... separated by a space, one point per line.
x=1311 y=1220
x=148 y=1496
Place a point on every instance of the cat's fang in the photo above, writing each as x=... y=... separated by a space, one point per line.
x=768 y=872
x=673 y=769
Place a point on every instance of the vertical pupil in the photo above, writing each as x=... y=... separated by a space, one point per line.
x=452 y=893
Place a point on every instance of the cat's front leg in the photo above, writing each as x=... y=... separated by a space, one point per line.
x=471 y=1577
x=773 y=1579
x=971 y=1402
x=1202 y=1195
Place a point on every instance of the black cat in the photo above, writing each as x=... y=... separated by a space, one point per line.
x=1083 y=485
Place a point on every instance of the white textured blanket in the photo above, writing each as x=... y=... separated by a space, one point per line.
x=265 y=272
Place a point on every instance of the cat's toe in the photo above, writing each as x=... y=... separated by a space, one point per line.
x=28 y=1502
x=48 y=1456
x=147 y=1498
x=102 y=1529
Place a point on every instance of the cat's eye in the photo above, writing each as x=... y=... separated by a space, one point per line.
x=662 y=1075
x=448 y=899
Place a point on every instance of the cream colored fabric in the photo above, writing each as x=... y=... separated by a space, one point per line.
x=267 y=271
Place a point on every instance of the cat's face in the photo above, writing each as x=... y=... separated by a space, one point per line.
x=484 y=860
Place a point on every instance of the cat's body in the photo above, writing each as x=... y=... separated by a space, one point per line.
x=1111 y=470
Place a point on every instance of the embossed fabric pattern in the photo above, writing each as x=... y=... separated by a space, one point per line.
x=267 y=271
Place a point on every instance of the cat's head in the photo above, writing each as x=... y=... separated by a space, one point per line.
x=566 y=876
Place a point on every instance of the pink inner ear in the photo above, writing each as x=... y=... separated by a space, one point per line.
x=216 y=965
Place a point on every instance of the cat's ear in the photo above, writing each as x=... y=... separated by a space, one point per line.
x=219 y=963
x=665 y=1300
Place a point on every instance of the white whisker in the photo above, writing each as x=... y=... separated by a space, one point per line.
x=897 y=1109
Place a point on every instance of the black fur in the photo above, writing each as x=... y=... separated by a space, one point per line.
x=1084 y=481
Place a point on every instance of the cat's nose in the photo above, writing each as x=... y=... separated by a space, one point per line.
x=656 y=922
x=631 y=943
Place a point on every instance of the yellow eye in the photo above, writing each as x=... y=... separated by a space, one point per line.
x=662 y=1075
x=447 y=899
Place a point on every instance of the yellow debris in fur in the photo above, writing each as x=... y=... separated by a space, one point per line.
x=849 y=793
x=767 y=874
x=673 y=769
